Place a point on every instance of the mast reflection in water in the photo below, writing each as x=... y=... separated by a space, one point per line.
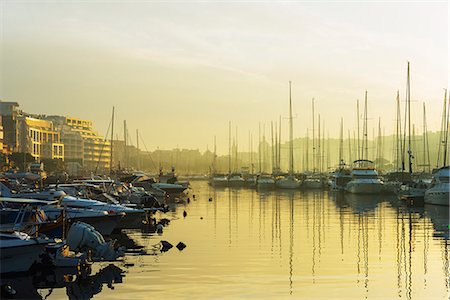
x=291 y=244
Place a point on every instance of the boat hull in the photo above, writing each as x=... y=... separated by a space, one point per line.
x=437 y=197
x=20 y=258
x=288 y=183
x=364 y=187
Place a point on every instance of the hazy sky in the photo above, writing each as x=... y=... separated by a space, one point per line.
x=180 y=70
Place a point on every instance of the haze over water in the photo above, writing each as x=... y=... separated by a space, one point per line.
x=291 y=244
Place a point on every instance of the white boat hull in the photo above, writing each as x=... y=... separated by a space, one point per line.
x=365 y=187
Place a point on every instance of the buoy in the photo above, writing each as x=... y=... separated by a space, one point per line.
x=188 y=200
x=201 y=218
x=184 y=214
x=180 y=246
x=193 y=196
x=159 y=228
x=210 y=199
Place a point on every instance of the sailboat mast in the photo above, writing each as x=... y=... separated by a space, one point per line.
x=307 y=150
x=251 y=153
x=426 y=148
x=272 y=148
x=366 y=146
x=408 y=95
x=399 y=148
x=313 y=142
x=215 y=157
x=259 y=148
x=236 y=151
x=446 y=130
x=341 y=143
x=111 y=143
x=125 y=162
x=349 y=148
x=229 y=147
x=279 y=145
x=357 y=121
x=291 y=136
x=318 y=147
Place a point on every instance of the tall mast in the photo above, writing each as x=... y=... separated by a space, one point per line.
x=313 y=142
x=408 y=97
x=125 y=143
x=365 y=129
x=318 y=147
x=446 y=130
x=259 y=148
x=236 y=151
x=341 y=143
x=357 y=120
x=229 y=147
x=138 y=163
x=291 y=136
x=276 y=147
x=279 y=146
x=399 y=148
x=307 y=150
x=426 y=149
x=272 y=149
x=249 y=153
x=349 y=148
x=111 y=143
x=214 y=157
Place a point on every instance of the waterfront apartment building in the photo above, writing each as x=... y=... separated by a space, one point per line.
x=39 y=138
x=82 y=144
x=29 y=133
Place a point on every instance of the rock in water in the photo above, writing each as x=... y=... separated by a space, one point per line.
x=165 y=246
x=184 y=214
x=180 y=246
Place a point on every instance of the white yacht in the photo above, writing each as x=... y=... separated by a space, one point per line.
x=439 y=193
x=364 y=179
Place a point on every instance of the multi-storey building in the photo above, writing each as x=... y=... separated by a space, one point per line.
x=29 y=133
x=82 y=144
x=38 y=137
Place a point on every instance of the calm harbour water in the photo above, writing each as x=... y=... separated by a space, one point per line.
x=283 y=244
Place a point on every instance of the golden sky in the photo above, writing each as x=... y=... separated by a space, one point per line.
x=180 y=70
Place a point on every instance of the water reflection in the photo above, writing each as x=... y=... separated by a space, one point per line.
x=304 y=244
x=41 y=284
x=243 y=243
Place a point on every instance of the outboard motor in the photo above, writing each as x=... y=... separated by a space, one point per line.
x=82 y=236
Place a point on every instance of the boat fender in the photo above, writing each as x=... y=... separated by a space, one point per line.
x=159 y=228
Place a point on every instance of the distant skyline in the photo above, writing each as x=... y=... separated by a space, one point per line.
x=180 y=70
